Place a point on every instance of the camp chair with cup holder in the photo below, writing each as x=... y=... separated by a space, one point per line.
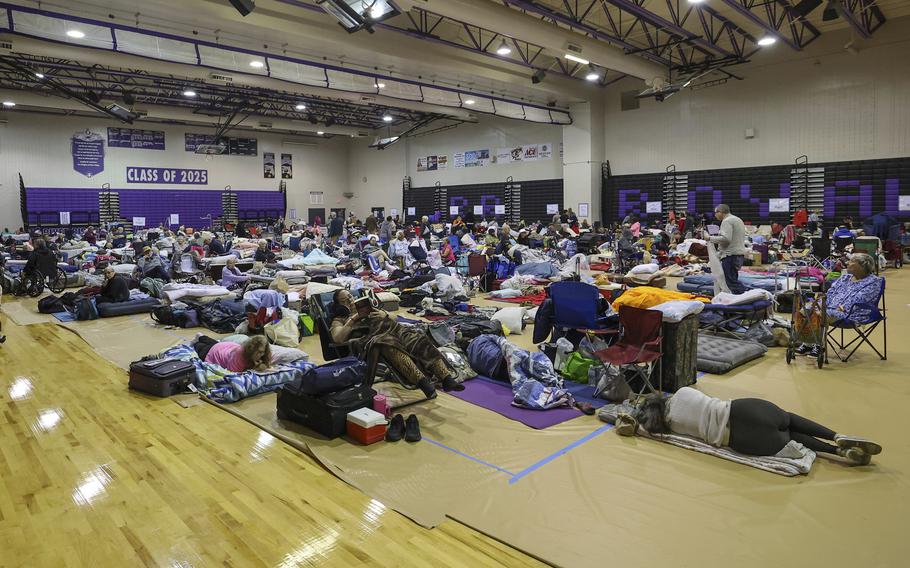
x=576 y=307
x=320 y=306
x=639 y=348
x=184 y=269
x=863 y=319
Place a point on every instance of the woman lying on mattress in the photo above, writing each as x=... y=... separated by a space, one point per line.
x=254 y=354
x=373 y=333
x=747 y=425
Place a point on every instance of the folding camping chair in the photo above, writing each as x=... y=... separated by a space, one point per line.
x=575 y=308
x=640 y=346
x=477 y=268
x=870 y=246
x=863 y=319
x=185 y=270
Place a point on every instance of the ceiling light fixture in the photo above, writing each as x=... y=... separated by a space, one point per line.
x=387 y=118
x=39 y=75
x=503 y=48
x=766 y=41
x=75 y=34
x=9 y=104
x=696 y=1
x=301 y=106
x=320 y=132
x=257 y=64
x=832 y=11
x=380 y=85
x=469 y=101
x=593 y=74
x=538 y=76
x=377 y=12
x=189 y=93
x=577 y=59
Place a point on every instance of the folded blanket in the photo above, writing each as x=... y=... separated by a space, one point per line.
x=792 y=460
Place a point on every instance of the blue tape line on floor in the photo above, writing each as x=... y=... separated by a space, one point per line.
x=472 y=458
x=700 y=374
x=548 y=459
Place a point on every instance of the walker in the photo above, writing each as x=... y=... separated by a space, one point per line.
x=809 y=323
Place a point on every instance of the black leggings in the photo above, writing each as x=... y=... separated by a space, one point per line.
x=203 y=345
x=761 y=428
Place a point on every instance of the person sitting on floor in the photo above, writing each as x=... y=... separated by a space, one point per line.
x=857 y=286
x=372 y=333
x=231 y=277
x=255 y=354
x=214 y=246
x=151 y=266
x=749 y=426
x=115 y=288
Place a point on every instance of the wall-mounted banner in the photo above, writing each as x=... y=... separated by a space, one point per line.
x=478 y=209
x=139 y=221
x=903 y=202
x=544 y=151
x=530 y=153
x=500 y=210
x=292 y=214
x=412 y=211
x=393 y=212
x=175 y=219
x=552 y=208
x=287 y=166
x=652 y=207
x=582 y=209
x=458 y=159
x=431 y=163
x=477 y=158
x=779 y=205
x=268 y=165
x=88 y=153
x=442 y=162
x=64 y=217
x=177 y=176
x=421 y=164
x=135 y=138
x=235 y=146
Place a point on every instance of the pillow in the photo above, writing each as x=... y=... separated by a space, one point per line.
x=512 y=319
x=675 y=310
x=124 y=268
x=644 y=269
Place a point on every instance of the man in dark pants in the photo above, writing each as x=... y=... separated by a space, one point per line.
x=731 y=243
x=336 y=228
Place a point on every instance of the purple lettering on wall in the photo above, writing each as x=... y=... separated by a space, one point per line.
x=489 y=203
x=837 y=194
x=459 y=202
x=632 y=201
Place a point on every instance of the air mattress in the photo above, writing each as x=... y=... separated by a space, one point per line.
x=144 y=306
x=718 y=355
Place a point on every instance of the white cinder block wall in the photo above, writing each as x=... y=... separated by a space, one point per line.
x=39 y=147
x=385 y=169
x=832 y=106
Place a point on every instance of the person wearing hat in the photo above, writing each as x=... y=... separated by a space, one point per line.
x=151 y=266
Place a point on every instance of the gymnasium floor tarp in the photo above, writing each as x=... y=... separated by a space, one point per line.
x=579 y=495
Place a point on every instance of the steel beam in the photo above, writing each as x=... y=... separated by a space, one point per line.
x=776 y=14
x=669 y=27
x=869 y=18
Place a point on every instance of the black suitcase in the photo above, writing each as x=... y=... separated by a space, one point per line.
x=161 y=377
x=327 y=413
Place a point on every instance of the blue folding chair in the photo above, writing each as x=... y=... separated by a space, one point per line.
x=575 y=308
x=863 y=319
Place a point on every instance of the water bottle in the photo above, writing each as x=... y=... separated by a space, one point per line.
x=563 y=347
x=380 y=404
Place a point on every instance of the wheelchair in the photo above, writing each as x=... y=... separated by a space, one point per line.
x=32 y=283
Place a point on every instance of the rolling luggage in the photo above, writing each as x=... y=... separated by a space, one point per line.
x=326 y=414
x=161 y=377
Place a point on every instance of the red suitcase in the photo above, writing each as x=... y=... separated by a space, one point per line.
x=161 y=377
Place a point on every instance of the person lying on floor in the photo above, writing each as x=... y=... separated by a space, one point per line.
x=749 y=426
x=254 y=354
x=857 y=286
x=115 y=288
x=373 y=333
x=231 y=277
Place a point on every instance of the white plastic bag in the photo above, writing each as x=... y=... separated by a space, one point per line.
x=717 y=270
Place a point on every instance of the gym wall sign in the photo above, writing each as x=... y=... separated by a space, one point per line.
x=176 y=176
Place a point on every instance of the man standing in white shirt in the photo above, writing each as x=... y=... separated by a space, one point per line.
x=731 y=243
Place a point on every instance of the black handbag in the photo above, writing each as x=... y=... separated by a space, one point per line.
x=326 y=414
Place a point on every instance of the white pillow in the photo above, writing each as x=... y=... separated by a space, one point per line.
x=511 y=318
x=644 y=269
x=124 y=268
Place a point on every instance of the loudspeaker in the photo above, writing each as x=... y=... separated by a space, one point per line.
x=244 y=6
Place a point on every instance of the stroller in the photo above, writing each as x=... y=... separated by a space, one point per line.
x=809 y=324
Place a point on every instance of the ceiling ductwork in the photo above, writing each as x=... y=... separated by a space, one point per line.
x=559 y=41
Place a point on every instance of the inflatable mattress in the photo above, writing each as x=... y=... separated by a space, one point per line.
x=718 y=355
x=129 y=307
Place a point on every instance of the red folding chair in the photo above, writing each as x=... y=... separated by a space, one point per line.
x=640 y=345
x=477 y=267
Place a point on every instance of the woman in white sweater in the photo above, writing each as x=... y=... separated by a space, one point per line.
x=746 y=425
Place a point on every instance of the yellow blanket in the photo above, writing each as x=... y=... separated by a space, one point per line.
x=649 y=296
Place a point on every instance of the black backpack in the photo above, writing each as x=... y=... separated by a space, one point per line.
x=178 y=317
x=86 y=310
x=220 y=319
x=51 y=305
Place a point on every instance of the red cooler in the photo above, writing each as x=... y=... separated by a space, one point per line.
x=366 y=426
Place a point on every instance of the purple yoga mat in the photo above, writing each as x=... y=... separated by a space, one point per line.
x=498 y=398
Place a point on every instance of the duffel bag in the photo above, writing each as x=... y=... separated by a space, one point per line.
x=51 y=305
x=486 y=358
x=332 y=377
x=177 y=317
x=326 y=414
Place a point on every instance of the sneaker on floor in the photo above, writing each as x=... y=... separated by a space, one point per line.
x=395 y=431
x=802 y=349
x=868 y=446
x=813 y=352
x=854 y=455
x=412 y=429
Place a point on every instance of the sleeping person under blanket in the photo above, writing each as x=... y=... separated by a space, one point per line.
x=373 y=333
x=749 y=426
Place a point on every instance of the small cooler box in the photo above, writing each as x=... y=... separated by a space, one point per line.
x=366 y=426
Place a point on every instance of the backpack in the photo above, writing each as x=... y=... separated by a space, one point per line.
x=177 y=317
x=220 y=319
x=51 y=305
x=86 y=310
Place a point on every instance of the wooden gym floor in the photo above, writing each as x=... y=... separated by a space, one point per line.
x=94 y=475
